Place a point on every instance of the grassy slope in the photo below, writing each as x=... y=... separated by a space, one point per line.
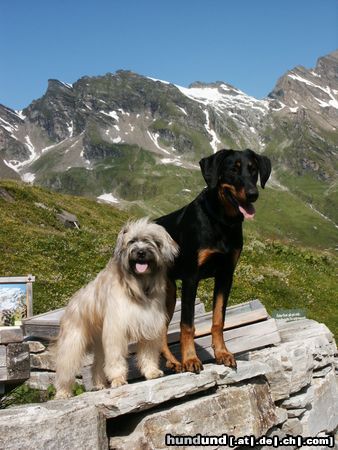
x=32 y=240
x=153 y=188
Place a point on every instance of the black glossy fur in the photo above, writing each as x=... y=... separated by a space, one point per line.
x=209 y=234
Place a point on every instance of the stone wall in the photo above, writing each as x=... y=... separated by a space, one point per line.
x=14 y=357
x=287 y=389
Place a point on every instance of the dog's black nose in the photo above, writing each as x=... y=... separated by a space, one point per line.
x=252 y=195
x=141 y=254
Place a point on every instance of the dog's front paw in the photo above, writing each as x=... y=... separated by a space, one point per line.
x=118 y=381
x=192 y=365
x=62 y=394
x=153 y=373
x=226 y=358
x=174 y=365
x=98 y=386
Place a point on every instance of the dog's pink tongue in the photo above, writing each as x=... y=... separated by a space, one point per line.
x=141 y=267
x=248 y=211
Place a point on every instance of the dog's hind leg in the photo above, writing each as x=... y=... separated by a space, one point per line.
x=98 y=376
x=148 y=355
x=115 y=346
x=172 y=362
x=71 y=348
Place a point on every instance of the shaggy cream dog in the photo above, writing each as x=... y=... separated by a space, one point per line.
x=125 y=303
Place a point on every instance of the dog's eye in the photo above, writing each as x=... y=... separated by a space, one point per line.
x=132 y=241
x=158 y=244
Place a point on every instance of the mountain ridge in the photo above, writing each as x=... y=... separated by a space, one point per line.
x=83 y=138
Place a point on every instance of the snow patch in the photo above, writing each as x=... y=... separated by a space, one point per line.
x=8 y=126
x=20 y=114
x=83 y=157
x=112 y=114
x=124 y=113
x=108 y=198
x=28 y=177
x=214 y=140
x=279 y=109
x=222 y=101
x=70 y=128
x=183 y=110
x=154 y=139
x=174 y=161
x=161 y=81
x=67 y=85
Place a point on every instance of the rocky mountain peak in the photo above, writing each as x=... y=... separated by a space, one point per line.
x=327 y=67
x=75 y=133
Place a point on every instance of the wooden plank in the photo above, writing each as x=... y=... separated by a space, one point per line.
x=239 y=340
x=47 y=318
x=43 y=332
x=15 y=280
x=203 y=327
x=46 y=325
x=29 y=299
x=54 y=317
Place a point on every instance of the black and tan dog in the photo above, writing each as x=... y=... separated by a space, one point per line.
x=209 y=234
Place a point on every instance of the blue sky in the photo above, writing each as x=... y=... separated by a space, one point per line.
x=248 y=43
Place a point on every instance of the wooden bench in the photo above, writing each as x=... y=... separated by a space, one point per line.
x=247 y=326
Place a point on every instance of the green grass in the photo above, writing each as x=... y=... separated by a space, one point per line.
x=285 y=276
x=33 y=240
x=136 y=176
x=284 y=216
x=278 y=272
x=323 y=195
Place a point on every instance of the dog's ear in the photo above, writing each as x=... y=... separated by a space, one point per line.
x=264 y=166
x=119 y=241
x=211 y=166
x=168 y=247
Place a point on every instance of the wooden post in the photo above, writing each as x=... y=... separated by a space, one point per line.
x=29 y=295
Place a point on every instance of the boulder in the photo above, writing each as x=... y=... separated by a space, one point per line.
x=237 y=411
x=323 y=415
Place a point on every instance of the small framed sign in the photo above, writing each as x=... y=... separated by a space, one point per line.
x=16 y=299
x=289 y=315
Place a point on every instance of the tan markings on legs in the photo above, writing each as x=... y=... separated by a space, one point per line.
x=222 y=354
x=204 y=254
x=190 y=361
x=172 y=362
